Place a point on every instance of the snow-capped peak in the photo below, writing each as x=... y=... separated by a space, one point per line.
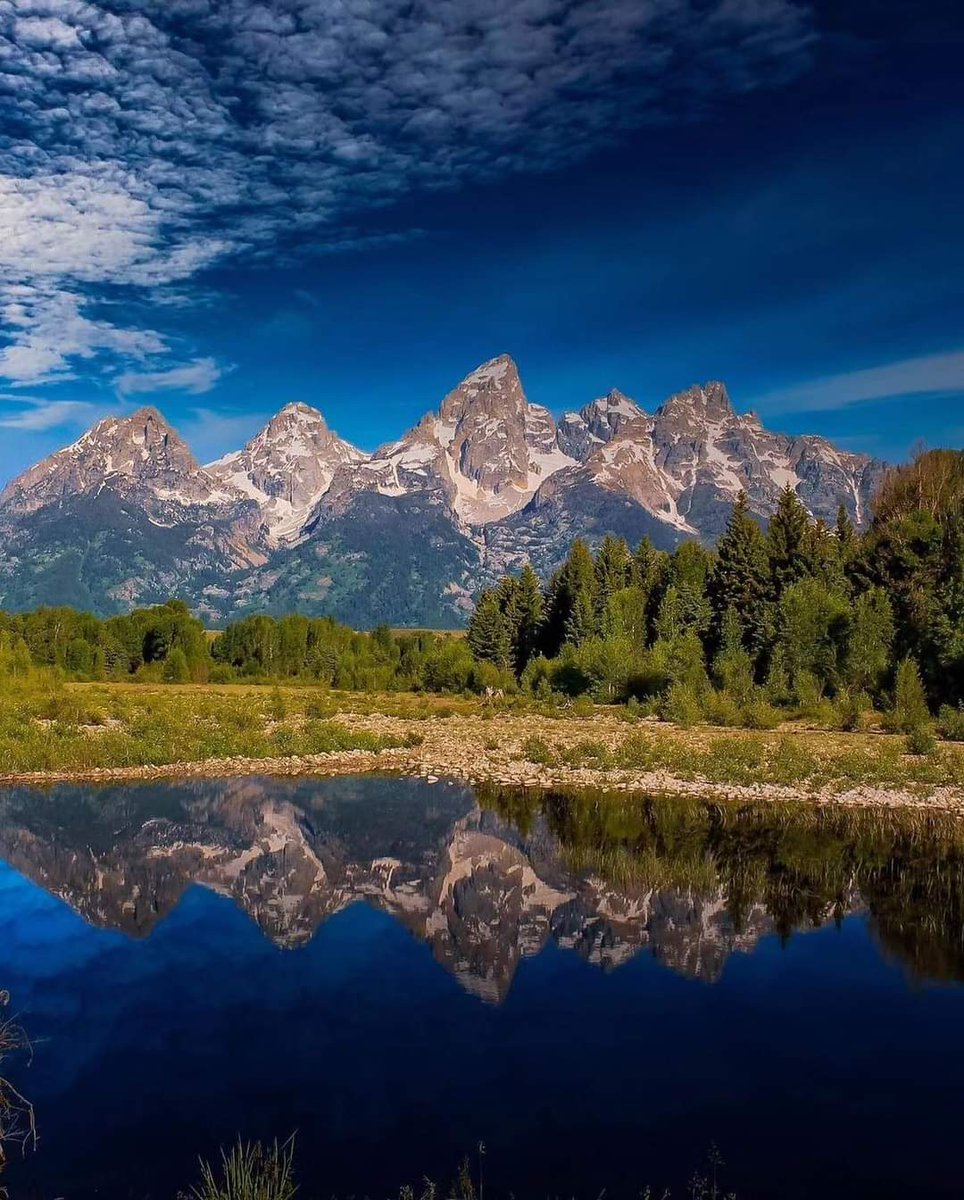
x=287 y=467
x=137 y=453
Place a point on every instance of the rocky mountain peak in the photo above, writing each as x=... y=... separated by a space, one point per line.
x=493 y=389
x=583 y=432
x=700 y=404
x=136 y=453
x=287 y=467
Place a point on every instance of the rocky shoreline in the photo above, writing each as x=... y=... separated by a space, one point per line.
x=479 y=750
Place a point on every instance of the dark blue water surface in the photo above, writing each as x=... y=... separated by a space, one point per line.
x=399 y=971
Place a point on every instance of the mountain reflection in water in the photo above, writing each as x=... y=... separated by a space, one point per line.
x=487 y=878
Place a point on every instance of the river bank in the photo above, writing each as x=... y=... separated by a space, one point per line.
x=479 y=744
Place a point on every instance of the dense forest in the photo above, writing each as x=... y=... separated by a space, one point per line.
x=798 y=617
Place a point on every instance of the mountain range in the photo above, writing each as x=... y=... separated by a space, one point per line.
x=301 y=520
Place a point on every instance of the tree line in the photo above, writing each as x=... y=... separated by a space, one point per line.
x=798 y=613
x=166 y=643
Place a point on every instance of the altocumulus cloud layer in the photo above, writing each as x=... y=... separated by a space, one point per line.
x=142 y=141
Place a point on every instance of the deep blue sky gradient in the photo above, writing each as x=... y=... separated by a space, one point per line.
x=800 y=233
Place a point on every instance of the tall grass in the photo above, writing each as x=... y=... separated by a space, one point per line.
x=248 y=1171
x=45 y=726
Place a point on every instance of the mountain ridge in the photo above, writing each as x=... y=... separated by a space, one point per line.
x=299 y=518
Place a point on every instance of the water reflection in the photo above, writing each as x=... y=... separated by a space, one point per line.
x=488 y=878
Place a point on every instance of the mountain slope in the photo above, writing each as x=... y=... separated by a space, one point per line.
x=287 y=468
x=123 y=517
x=301 y=519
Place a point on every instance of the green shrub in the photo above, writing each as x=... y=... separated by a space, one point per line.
x=176 y=669
x=720 y=708
x=921 y=740
x=586 y=754
x=850 y=709
x=222 y=673
x=536 y=750
x=759 y=714
x=951 y=723
x=791 y=762
x=909 y=711
x=681 y=705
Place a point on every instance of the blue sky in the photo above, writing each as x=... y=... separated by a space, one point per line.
x=218 y=206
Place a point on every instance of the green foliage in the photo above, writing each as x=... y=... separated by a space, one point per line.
x=176 y=669
x=740 y=578
x=788 y=551
x=806 y=611
x=921 y=740
x=536 y=750
x=488 y=632
x=909 y=711
x=682 y=705
x=950 y=723
x=812 y=629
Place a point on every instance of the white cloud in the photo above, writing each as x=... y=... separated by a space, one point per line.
x=931 y=374
x=46 y=331
x=195 y=378
x=39 y=415
x=151 y=139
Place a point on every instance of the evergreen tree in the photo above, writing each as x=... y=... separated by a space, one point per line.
x=910 y=711
x=571 y=588
x=786 y=542
x=740 y=577
x=581 y=623
x=525 y=619
x=844 y=530
x=488 y=634
x=612 y=570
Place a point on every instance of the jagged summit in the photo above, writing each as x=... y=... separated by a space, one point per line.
x=139 y=453
x=485 y=451
x=287 y=467
x=707 y=402
x=484 y=482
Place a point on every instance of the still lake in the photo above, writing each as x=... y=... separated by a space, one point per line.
x=596 y=989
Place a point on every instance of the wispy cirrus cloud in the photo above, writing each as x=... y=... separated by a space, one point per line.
x=194 y=378
x=38 y=416
x=928 y=375
x=145 y=141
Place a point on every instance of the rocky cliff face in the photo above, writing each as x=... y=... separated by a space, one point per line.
x=140 y=457
x=287 y=468
x=484 y=453
x=301 y=519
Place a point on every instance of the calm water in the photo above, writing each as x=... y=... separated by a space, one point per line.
x=399 y=970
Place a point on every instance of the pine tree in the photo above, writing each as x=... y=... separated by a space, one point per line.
x=910 y=710
x=786 y=542
x=581 y=623
x=740 y=577
x=844 y=530
x=572 y=587
x=613 y=571
x=525 y=619
x=488 y=634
